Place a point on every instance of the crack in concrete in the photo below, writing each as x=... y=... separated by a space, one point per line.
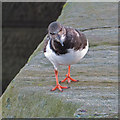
x=94 y=28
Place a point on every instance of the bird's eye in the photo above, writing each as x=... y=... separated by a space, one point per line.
x=52 y=33
x=60 y=30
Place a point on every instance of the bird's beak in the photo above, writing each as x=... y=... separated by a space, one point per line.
x=61 y=42
x=59 y=38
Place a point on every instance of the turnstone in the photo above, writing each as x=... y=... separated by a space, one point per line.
x=64 y=46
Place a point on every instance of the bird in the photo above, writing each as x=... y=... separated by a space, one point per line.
x=64 y=46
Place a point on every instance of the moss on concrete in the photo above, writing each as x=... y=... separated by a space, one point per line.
x=94 y=96
x=18 y=103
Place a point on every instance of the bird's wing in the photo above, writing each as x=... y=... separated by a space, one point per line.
x=82 y=39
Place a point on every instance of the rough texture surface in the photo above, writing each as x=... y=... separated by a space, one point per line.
x=95 y=95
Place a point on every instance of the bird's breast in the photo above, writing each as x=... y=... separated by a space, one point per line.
x=71 y=57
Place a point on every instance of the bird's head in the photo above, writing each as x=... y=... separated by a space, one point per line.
x=57 y=32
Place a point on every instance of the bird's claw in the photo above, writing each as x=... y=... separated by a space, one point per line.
x=59 y=87
x=69 y=79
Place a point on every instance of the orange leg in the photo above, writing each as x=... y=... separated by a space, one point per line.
x=68 y=77
x=57 y=83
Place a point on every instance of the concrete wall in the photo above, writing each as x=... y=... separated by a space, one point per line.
x=24 y=27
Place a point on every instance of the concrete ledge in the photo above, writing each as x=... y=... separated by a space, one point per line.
x=95 y=96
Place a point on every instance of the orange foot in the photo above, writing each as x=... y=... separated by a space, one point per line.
x=57 y=83
x=59 y=87
x=68 y=77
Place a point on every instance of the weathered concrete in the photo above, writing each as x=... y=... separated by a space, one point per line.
x=95 y=95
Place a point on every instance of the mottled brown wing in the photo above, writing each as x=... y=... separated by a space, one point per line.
x=82 y=41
